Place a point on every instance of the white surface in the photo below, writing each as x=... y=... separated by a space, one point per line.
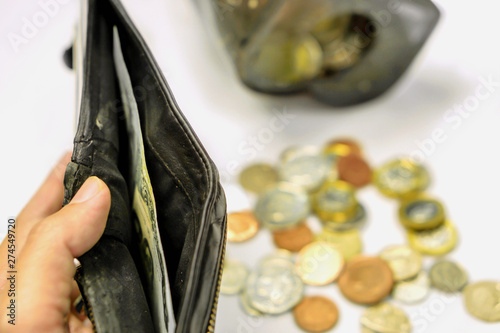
x=37 y=98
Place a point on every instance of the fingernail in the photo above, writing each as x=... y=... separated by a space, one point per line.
x=89 y=189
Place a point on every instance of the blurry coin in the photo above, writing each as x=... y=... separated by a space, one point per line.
x=385 y=318
x=482 y=300
x=354 y=170
x=335 y=201
x=258 y=178
x=274 y=289
x=414 y=290
x=319 y=263
x=356 y=222
x=305 y=167
x=282 y=207
x=400 y=178
x=343 y=147
x=366 y=280
x=284 y=62
x=293 y=239
x=241 y=226
x=247 y=307
x=404 y=262
x=438 y=241
x=421 y=213
x=347 y=242
x=448 y=276
x=316 y=314
x=234 y=277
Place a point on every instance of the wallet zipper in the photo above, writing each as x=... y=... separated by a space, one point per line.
x=211 y=322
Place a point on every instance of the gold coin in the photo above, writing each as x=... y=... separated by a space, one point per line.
x=347 y=242
x=283 y=61
x=405 y=262
x=401 y=178
x=438 y=241
x=414 y=290
x=421 y=213
x=319 y=263
x=343 y=147
x=258 y=178
x=241 y=226
x=316 y=314
x=448 y=276
x=385 y=318
x=293 y=239
x=482 y=300
x=335 y=201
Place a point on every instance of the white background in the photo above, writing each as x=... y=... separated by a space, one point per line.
x=37 y=98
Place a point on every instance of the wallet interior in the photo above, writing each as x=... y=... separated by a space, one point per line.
x=190 y=204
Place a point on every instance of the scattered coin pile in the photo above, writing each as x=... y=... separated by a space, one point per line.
x=324 y=182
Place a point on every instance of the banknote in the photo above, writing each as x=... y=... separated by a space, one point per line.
x=144 y=206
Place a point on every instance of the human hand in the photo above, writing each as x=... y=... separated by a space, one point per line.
x=47 y=239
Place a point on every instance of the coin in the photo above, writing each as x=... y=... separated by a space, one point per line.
x=233 y=277
x=366 y=280
x=306 y=168
x=316 y=314
x=319 y=263
x=356 y=222
x=347 y=242
x=385 y=318
x=241 y=226
x=274 y=289
x=438 y=241
x=414 y=290
x=404 y=262
x=282 y=207
x=293 y=239
x=247 y=307
x=354 y=170
x=283 y=62
x=421 y=213
x=448 y=276
x=258 y=178
x=335 y=201
x=401 y=178
x=482 y=300
x=343 y=147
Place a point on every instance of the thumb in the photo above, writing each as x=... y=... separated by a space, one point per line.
x=45 y=265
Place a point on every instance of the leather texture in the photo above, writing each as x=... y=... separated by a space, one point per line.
x=191 y=207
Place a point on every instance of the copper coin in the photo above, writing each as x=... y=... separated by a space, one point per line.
x=366 y=280
x=241 y=226
x=293 y=239
x=354 y=170
x=316 y=314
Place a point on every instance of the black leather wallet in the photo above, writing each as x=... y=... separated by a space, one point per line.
x=157 y=268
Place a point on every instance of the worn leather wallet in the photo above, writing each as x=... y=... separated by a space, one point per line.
x=157 y=267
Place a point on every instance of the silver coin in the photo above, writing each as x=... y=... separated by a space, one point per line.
x=282 y=207
x=414 y=290
x=247 y=307
x=307 y=169
x=234 y=276
x=357 y=222
x=281 y=258
x=448 y=276
x=274 y=289
x=422 y=211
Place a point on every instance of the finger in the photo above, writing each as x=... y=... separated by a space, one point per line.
x=46 y=266
x=49 y=197
x=46 y=201
x=76 y=325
